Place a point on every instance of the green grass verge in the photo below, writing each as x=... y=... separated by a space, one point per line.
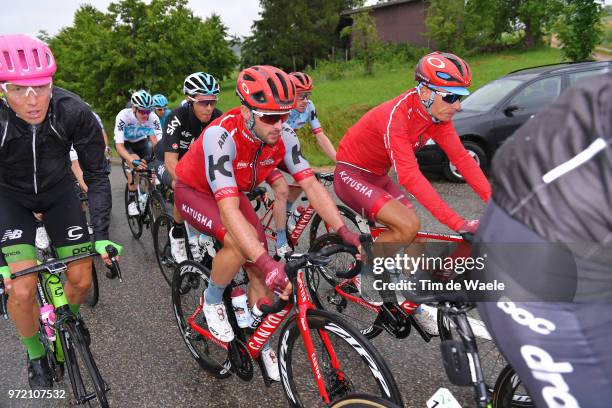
x=341 y=102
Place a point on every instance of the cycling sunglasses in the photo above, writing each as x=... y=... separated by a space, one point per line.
x=204 y=103
x=144 y=111
x=304 y=96
x=271 y=118
x=448 y=97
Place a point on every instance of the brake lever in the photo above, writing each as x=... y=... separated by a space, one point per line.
x=112 y=254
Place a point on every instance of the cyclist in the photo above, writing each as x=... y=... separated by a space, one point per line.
x=388 y=135
x=232 y=156
x=184 y=125
x=160 y=105
x=133 y=128
x=303 y=113
x=39 y=124
x=557 y=204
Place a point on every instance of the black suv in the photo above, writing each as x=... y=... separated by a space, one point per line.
x=493 y=112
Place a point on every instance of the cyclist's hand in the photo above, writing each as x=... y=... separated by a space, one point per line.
x=470 y=226
x=274 y=272
x=140 y=164
x=6 y=273
x=100 y=247
x=349 y=237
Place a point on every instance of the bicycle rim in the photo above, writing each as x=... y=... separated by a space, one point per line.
x=188 y=284
x=135 y=223
x=87 y=383
x=358 y=367
x=161 y=246
x=318 y=227
x=323 y=283
x=509 y=391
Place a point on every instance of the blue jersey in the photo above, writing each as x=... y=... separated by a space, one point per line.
x=164 y=118
x=297 y=120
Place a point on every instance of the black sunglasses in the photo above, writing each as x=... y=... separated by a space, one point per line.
x=448 y=97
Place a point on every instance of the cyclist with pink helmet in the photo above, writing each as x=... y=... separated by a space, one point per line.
x=38 y=124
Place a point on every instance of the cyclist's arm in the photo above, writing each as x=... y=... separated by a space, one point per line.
x=120 y=139
x=399 y=149
x=219 y=154
x=449 y=142
x=89 y=145
x=76 y=169
x=157 y=129
x=302 y=173
x=172 y=130
x=104 y=135
x=315 y=125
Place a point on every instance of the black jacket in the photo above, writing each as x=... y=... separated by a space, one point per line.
x=555 y=174
x=33 y=159
x=182 y=128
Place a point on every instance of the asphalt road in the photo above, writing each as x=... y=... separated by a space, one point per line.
x=141 y=354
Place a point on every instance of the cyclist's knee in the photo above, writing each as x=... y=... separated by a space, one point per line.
x=80 y=277
x=23 y=291
x=231 y=245
x=405 y=228
x=281 y=190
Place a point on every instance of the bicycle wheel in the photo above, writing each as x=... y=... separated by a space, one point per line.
x=322 y=283
x=157 y=207
x=161 y=246
x=509 y=391
x=492 y=361
x=188 y=284
x=352 y=221
x=93 y=294
x=363 y=401
x=125 y=168
x=87 y=383
x=135 y=223
x=347 y=362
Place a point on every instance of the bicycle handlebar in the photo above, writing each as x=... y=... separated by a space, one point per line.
x=299 y=261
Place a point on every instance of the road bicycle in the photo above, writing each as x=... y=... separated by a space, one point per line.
x=149 y=200
x=63 y=334
x=321 y=357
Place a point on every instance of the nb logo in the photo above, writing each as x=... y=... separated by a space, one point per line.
x=11 y=234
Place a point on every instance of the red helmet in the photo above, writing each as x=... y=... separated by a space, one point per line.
x=266 y=87
x=444 y=70
x=25 y=60
x=303 y=82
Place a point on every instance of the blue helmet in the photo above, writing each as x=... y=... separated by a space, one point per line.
x=142 y=99
x=160 y=101
x=200 y=83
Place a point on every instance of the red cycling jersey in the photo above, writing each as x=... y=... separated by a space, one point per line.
x=389 y=134
x=227 y=159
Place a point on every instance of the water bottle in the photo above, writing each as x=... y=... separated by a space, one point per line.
x=294 y=217
x=256 y=313
x=47 y=315
x=240 y=306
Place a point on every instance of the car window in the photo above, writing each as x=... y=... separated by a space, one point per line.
x=580 y=75
x=487 y=96
x=538 y=94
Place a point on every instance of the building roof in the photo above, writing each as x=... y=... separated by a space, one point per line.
x=376 y=6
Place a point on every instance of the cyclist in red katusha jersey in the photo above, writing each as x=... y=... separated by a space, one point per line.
x=232 y=156
x=388 y=135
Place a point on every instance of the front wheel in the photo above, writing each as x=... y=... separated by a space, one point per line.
x=509 y=391
x=346 y=362
x=161 y=246
x=353 y=222
x=363 y=401
x=134 y=222
x=157 y=207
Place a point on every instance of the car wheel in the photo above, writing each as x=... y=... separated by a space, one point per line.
x=474 y=150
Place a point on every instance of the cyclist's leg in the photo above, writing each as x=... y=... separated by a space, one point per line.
x=17 y=231
x=279 y=212
x=67 y=227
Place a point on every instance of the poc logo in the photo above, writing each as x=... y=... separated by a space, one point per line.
x=11 y=234
x=526 y=318
x=74 y=233
x=81 y=250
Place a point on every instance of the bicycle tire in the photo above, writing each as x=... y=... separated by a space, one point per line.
x=75 y=350
x=125 y=168
x=135 y=223
x=321 y=281
x=188 y=284
x=93 y=294
x=157 y=207
x=363 y=401
x=161 y=247
x=350 y=220
x=505 y=389
x=343 y=338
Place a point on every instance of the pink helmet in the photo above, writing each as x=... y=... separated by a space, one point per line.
x=25 y=60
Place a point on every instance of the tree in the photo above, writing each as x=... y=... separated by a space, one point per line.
x=580 y=29
x=105 y=56
x=364 y=38
x=292 y=34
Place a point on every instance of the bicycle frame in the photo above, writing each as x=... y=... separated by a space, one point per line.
x=271 y=323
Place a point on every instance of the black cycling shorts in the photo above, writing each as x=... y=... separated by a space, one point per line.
x=141 y=148
x=62 y=215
